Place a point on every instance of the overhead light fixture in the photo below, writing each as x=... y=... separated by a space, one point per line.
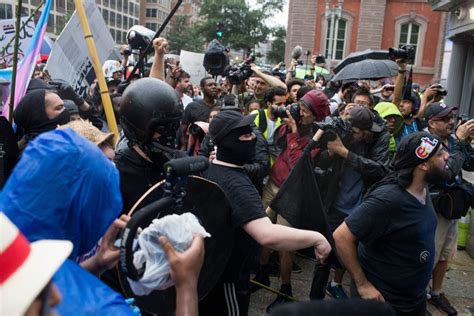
x=471 y=13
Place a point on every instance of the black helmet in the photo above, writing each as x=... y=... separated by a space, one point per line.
x=150 y=105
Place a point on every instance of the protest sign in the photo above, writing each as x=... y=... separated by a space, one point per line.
x=192 y=64
x=7 y=33
x=69 y=59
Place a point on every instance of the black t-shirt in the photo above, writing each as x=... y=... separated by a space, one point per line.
x=396 y=244
x=197 y=111
x=246 y=206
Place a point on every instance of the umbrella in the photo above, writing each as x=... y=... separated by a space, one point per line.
x=359 y=56
x=371 y=69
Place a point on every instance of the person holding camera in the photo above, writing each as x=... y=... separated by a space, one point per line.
x=355 y=160
x=440 y=121
x=344 y=95
x=292 y=136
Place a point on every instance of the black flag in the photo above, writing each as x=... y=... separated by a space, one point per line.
x=299 y=201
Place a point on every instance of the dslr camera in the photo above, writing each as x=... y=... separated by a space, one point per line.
x=439 y=90
x=333 y=127
x=239 y=73
x=406 y=53
x=280 y=112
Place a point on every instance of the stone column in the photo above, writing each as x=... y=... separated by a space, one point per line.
x=371 y=18
x=301 y=26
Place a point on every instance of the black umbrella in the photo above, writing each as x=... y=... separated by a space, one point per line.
x=359 y=56
x=370 y=69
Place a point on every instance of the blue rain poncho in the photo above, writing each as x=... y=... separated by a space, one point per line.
x=64 y=187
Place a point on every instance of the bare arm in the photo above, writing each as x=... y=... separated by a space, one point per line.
x=346 y=245
x=282 y=238
x=399 y=82
x=272 y=81
x=157 y=71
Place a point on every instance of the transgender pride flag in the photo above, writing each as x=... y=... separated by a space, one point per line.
x=27 y=65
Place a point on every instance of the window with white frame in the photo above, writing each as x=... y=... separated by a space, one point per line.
x=338 y=39
x=409 y=35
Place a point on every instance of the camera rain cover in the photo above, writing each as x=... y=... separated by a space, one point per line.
x=216 y=59
x=179 y=230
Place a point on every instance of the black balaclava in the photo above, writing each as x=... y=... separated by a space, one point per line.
x=232 y=150
x=30 y=114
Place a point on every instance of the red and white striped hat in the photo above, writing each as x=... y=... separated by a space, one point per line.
x=25 y=269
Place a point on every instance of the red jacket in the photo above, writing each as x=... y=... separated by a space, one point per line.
x=288 y=158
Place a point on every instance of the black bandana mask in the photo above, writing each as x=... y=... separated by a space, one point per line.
x=232 y=150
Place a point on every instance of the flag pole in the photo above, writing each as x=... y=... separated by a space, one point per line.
x=15 y=60
x=104 y=91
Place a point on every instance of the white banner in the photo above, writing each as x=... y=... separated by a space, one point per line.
x=69 y=58
x=7 y=34
x=192 y=64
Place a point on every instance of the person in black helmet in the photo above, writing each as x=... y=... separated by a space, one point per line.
x=149 y=115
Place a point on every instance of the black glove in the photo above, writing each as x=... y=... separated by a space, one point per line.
x=66 y=92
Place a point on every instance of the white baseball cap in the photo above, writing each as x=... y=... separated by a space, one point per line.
x=26 y=268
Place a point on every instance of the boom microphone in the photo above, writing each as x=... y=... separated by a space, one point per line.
x=187 y=165
x=297 y=52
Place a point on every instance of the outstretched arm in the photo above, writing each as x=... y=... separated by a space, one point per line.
x=157 y=71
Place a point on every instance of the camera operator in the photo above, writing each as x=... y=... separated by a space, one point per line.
x=440 y=119
x=349 y=167
x=292 y=137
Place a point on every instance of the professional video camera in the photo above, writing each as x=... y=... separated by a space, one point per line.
x=239 y=73
x=138 y=37
x=280 y=112
x=333 y=127
x=406 y=53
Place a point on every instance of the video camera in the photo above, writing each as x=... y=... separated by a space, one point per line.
x=439 y=90
x=139 y=37
x=239 y=73
x=406 y=53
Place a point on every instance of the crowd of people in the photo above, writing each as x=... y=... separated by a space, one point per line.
x=387 y=157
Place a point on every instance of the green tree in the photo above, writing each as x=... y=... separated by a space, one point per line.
x=184 y=36
x=277 y=53
x=244 y=27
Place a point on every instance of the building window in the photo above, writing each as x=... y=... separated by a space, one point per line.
x=409 y=35
x=6 y=11
x=119 y=5
x=410 y=30
x=105 y=15
x=112 y=4
x=338 y=40
x=150 y=13
x=112 y=19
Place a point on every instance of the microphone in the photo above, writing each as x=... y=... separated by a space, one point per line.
x=297 y=52
x=187 y=165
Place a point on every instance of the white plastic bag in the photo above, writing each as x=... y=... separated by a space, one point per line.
x=179 y=230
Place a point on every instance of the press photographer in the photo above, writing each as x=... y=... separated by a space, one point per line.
x=355 y=157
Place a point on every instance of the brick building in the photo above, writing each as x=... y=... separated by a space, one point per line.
x=376 y=24
x=190 y=9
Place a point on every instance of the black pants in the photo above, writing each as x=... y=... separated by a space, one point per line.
x=225 y=299
x=321 y=271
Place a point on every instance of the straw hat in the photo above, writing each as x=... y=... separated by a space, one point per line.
x=26 y=268
x=89 y=131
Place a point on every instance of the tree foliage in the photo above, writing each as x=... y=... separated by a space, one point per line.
x=244 y=26
x=277 y=54
x=184 y=36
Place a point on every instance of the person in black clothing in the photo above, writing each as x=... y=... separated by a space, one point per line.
x=348 y=168
x=257 y=168
x=199 y=110
x=232 y=133
x=387 y=243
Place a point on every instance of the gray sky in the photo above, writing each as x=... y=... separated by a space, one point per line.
x=279 y=19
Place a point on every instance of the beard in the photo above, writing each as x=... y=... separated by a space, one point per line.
x=436 y=175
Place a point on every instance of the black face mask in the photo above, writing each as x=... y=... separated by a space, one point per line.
x=162 y=149
x=235 y=151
